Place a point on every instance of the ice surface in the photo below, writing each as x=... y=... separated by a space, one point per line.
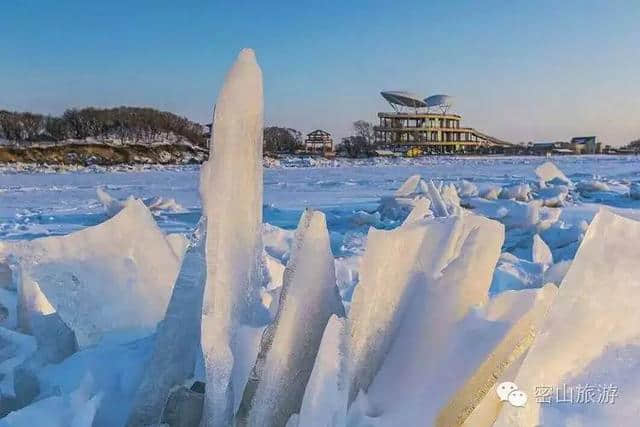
x=177 y=339
x=155 y=204
x=347 y=275
x=467 y=189
x=540 y=252
x=634 y=191
x=554 y=196
x=523 y=312
x=75 y=410
x=513 y=273
x=549 y=172
x=111 y=205
x=594 y=316
x=8 y=308
x=443 y=200
x=231 y=193
x=520 y=192
x=420 y=211
x=325 y=398
x=112 y=277
x=593 y=185
x=114 y=370
x=491 y=193
x=410 y=187
x=15 y=348
x=438 y=202
x=435 y=324
x=556 y=272
x=277 y=242
x=289 y=345
x=420 y=259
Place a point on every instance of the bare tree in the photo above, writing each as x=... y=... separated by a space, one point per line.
x=364 y=130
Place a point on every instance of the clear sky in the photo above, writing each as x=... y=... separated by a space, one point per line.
x=519 y=70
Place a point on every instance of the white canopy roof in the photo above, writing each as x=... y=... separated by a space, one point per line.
x=438 y=100
x=405 y=99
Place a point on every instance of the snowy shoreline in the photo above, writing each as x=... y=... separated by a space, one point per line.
x=301 y=162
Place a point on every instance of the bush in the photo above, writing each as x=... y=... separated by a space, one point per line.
x=281 y=140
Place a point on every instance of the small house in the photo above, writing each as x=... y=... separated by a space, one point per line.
x=318 y=142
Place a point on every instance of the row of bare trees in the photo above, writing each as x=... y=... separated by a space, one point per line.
x=125 y=123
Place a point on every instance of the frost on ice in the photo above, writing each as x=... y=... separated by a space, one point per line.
x=231 y=193
x=289 y=345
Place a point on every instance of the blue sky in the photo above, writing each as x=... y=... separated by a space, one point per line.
x=519 y=70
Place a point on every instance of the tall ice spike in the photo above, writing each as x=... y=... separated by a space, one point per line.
x=231 y=193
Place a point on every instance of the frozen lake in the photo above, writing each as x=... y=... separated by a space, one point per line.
x=39 y=204
x=504 y=273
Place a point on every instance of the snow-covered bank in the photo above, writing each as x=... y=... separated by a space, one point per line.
x=297 y=162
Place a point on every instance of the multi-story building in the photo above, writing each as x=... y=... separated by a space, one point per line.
x=585 y=145
x=414 y=125
x=319 y=141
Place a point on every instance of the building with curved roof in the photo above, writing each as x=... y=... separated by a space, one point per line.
x=412 y=125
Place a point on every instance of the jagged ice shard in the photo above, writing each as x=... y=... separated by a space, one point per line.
x=289 y=345
x=176 y=344
x=591 y=337
x=110 y=278
x=446 y=263
x=231 y=193
x=325 y=398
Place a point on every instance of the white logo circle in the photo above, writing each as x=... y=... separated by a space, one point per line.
x=508 y=391
x=504 y=389
x=518 y=398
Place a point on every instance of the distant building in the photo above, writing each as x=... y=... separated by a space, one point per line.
x=415 y=128
x=546 y=148
x=585 y=145
x=319 y=142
